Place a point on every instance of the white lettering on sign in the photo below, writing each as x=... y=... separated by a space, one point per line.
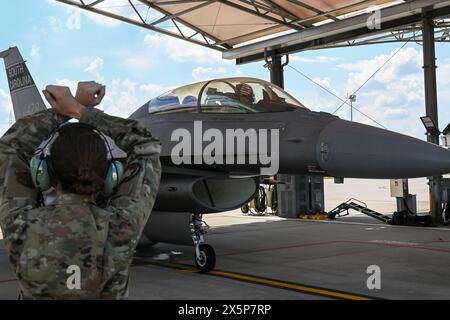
x=19 y=77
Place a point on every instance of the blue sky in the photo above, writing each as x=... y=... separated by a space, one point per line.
x=136 y=65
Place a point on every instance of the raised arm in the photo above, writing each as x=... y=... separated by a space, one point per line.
x=17 y=147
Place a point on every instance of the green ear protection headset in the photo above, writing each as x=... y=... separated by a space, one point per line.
x=41 y=164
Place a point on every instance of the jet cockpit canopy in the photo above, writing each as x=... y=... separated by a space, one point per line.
x=232 y=95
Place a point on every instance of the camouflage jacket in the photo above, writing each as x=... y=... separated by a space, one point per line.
x=43 y=243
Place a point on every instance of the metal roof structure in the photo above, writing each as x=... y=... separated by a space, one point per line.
x=247 y=30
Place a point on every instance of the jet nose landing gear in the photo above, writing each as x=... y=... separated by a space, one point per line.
x=205 y=257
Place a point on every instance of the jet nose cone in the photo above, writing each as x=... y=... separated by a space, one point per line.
x=348 y=149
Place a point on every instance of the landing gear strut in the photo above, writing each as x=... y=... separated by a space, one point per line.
x=205 y=257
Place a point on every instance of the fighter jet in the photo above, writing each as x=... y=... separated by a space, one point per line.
x=220 y=137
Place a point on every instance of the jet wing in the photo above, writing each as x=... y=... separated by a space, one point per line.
x=25 y=96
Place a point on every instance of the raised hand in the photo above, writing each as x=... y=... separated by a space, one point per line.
x=90 y=93
x=62 y=100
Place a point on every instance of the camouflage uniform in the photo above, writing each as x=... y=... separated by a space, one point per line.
x=42 y=242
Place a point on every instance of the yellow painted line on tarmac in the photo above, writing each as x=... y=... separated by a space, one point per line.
x=184 y=269
x=195 y=270
x=290 y=286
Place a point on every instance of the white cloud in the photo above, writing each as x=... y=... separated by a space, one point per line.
x=326 y=83
x=67 y=83
x=94 y=68
x=5 y=111
x=5 y=101
x=395 y=114
x=182 y=51
x=202 y=73
x=122 y=95
x=95 y=65
x=320 y=100
x=119 y=6
x=317 y=59
x=124 y=9
x=138 y=63
x=406 y=63
x=78 y=62
x=121 y=98
x=101 y=20
x=34 y=51
x=444 y=92
x=442 y=72
x=395 y=95
x=154 y=90
x=55 y=24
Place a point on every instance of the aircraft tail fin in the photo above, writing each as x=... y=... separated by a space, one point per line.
x=25 y=96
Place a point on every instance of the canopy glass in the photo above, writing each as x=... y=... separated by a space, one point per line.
x=232 y=95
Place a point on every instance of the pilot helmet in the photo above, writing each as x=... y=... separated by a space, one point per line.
x=245 y=90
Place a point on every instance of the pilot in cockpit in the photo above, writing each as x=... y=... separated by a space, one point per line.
x=245 y=94
x=247 y=97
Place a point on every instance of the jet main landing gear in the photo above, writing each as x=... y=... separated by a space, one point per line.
x=205 y=257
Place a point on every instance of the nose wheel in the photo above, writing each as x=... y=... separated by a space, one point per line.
x=205 y=257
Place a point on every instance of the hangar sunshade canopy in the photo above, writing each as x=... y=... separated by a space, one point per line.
x=247 y=30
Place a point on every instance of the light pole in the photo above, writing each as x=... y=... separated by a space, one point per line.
x=352 y=99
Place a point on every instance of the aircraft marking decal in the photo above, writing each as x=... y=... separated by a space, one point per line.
x=19 y=77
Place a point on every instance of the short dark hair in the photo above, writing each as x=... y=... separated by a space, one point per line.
x=79 y=159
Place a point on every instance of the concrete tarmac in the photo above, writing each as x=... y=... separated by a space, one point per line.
x=266 y=257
